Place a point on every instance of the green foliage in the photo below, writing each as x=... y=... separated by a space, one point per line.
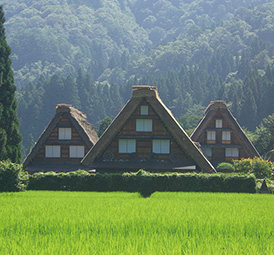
x=264 y=141
x=143 y=182
x=60 y=36
x=225 y=167
x=259 y=167
x=12 y=177
x=193 y=51
x=10 y=136
x=104 y=124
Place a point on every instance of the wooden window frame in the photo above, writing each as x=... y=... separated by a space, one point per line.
x=226 y=137
x=213 y=137
x=161 y=146
x=219 y=123
x=144 y=110
x=206 y=152
x=127 y=146
x=52 y=151
x=77 y=151
x=230 y=154
x=144 y=125
x=64 y=133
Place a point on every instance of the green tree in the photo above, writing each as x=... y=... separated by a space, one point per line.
x=103 y=125
x=10 y=136
x=265 y=135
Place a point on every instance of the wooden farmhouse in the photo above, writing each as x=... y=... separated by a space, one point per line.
x=64 y=142
x=221 y=137
x=145 y=135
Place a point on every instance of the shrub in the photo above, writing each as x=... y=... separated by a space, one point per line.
x=259 y=167
x=12 y=177
x=225 y=167
x=262 y=168
x=143 y=182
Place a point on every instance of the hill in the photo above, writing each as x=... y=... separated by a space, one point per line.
x=89 y=53
x=115 y=39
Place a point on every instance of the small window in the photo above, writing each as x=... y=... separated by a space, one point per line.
x=143 y=110
x=211 y=135
x=126 y=145
x=226 y=135
x=218 y=123
x=144 y=125
x=161 y=146
x=232 y=152
x=207 y=152
x=76 y=151
x=52 y=151
x=65 y=133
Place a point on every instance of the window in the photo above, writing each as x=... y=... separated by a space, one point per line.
x=207 y=152
x=226 y=135
x=161 y=146
x=218 y=123
x=126 y=145
x=232 y=152
x=144 y=125
x=211 y=135
x=143 y=110
x=52 y=151
x=64 y=133
x=76 y=151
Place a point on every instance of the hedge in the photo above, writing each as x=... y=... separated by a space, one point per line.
x=143 y=182
x=12 y=177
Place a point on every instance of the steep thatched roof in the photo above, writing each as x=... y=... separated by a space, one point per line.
x=150 y=94
x=79 y=122
x=208 y=116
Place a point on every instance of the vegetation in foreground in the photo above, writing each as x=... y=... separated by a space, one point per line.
x=47 y=222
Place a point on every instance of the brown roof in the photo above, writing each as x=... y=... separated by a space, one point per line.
x=79 y=120
x=208 y=115
x=150 y=94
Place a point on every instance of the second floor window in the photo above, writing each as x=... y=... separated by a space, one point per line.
x=64 y=133
x=211 y=135
x=143 y=110
x=218 y=123
x=144 y=125
x=226 y=135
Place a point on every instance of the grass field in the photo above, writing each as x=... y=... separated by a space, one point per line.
x=48 y=222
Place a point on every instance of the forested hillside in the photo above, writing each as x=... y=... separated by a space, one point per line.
x=89 y=53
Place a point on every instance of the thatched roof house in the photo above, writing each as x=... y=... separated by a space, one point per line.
x=220 y=135
x=64 y=142
x=146 y=135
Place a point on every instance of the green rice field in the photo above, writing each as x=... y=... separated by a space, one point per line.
x=49 y=222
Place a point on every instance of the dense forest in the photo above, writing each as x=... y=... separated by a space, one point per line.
x=89 y=53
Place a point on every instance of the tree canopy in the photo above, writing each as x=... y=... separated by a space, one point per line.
x=89 y=53
x=10 y=136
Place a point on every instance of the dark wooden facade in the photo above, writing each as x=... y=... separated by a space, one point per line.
x=220 y=136
x=64 y=142
x=145 y=135
x=144 y=140
x=53 y=140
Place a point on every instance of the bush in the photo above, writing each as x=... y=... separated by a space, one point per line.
x=143 y=182
x=225 y=167
x=12 y=177
x=259 y=167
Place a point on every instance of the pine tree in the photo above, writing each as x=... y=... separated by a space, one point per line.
x=10 y=136
x=248 y=110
